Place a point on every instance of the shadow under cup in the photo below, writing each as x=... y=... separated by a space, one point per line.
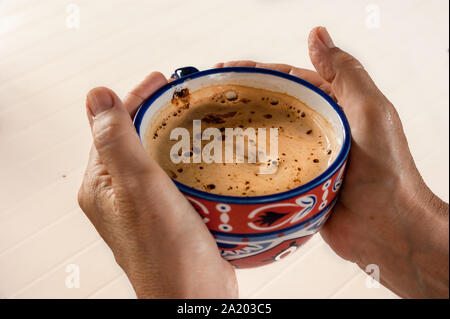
x=255 y=231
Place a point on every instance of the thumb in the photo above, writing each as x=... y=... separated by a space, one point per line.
x=115 y=137
x=349 y=80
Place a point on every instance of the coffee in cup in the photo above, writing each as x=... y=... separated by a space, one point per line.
x=306 y=144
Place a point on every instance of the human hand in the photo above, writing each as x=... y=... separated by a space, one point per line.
x=156 y=236
x=386 y=215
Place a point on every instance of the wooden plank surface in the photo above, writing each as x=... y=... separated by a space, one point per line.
x=46 y=68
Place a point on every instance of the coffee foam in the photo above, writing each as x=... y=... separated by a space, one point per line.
x=306 y=141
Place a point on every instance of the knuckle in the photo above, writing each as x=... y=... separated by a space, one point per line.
x=347 y=61
x=88 y=196
x=106 y=131
x=102 y=182
x=86 y=193
x=81 y=197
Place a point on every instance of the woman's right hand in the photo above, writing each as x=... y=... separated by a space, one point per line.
x=386 y=215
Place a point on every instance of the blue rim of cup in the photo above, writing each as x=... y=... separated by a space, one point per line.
x=329 y=172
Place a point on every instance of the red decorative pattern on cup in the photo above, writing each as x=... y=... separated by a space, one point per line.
x=267 y=217
x=277 y=253
x=240 y=229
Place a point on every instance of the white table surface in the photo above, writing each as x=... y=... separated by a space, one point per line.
x=46 y=68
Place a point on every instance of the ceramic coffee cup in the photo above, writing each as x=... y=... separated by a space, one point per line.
x=255 y=231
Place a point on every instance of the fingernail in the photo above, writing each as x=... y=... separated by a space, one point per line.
x=324 y=36
x=99 y=100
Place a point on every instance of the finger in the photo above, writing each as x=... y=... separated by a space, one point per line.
x=115 y=137
x=140 y=93
x=349 y=81
x=305 y=74
x=285 y=68
x=243 y=63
